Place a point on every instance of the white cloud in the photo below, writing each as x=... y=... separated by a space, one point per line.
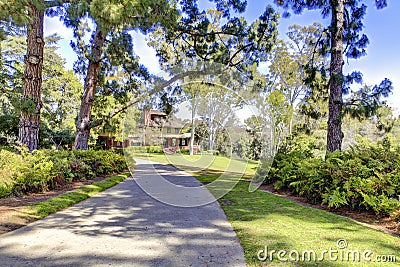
x=263 y=67
x=246 y=112
x=146 y=53
x=54 y=25
x=184 y=111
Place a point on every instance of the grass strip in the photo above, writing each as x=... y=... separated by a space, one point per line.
x=42 y=209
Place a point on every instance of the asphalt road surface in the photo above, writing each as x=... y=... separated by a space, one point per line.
x=125 y=226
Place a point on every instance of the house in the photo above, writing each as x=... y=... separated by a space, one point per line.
x=155 y=128
x=107 y=141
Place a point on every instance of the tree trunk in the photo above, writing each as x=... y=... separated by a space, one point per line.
x=210 y=142
x=193 y=129
x=28 y=127
x=291 y=119
x=191 y=150
x=83 y=124
x=272 y=137
x=335 y=134
x=211 y=137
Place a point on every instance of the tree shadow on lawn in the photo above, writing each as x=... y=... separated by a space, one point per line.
x=202 y=163
x=205 y=176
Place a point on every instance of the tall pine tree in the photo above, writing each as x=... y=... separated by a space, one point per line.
x=16 y=13
x=110 y=18
x=110 y=40
x=31 y=101
x=345 y=39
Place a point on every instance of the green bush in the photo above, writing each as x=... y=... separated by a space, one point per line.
x=47 y=169
x=366 y=177
x=396 y=215
x=136 y=149
x=145 y=149
x=9 y=162
x=154 y=149
x=212 y=152
x=119 y=151
x=184 y=151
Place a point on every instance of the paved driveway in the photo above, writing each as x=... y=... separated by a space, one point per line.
x=124 y=226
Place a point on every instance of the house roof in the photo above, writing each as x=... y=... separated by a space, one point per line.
x=173 y=122
x=185 y=135
x=157 y=112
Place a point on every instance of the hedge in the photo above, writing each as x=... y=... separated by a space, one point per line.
x=145 y=149
x=48 y=169
x=364 y=178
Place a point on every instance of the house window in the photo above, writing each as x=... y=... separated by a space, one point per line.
x=183 y=142
x=135 y=143
x=176 y=130
x=168 y=130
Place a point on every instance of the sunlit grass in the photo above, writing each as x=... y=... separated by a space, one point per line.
x=202 y=162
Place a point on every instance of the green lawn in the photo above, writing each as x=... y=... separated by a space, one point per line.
x=262 y=219
x=203 y=163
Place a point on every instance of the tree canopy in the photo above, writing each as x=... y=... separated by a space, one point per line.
x=300 y=79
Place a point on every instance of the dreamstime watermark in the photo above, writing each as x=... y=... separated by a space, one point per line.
x=215 y=91
x=340 y=252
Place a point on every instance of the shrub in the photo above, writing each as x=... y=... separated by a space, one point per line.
x=184 y=151
x=47 y=169
x=9 y=162
x=35 y=174
x=396 y=215
x=136 y=149
x=119 y=151
x=212 y=152
x=366 y=177
x=154 y=149
x=145 y=149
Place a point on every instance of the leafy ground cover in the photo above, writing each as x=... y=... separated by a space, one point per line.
x=263 y=220
x=45 y=170
x=365 y=178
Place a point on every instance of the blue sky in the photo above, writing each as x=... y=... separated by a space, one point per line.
x=381 y=26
